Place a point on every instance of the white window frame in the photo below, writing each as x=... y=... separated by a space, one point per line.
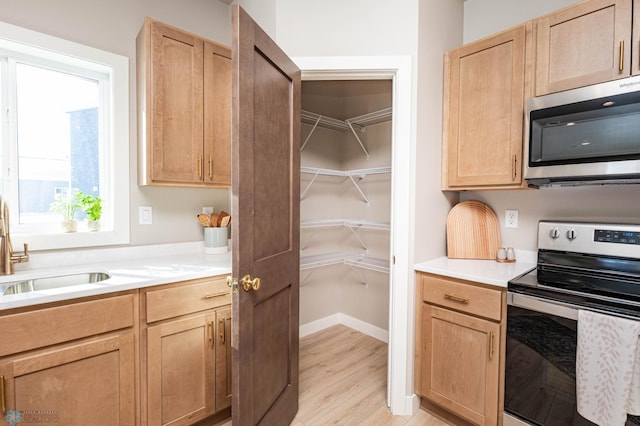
x=116 y=193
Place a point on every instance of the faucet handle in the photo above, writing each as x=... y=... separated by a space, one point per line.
x=26 y=249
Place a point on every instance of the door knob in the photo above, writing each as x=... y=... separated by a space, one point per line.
x=233 y=283
x=248 y=283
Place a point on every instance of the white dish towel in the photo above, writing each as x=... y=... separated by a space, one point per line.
x=607 y=368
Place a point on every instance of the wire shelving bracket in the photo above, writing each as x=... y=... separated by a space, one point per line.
x=354 y=124
x=353 y=175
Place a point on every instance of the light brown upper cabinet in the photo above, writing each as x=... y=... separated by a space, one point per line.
x=486 y=84
x=184 y=108
x=587 y=43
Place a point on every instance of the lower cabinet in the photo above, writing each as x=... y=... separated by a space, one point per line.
x=459 y=349
x=186 y=352
x=76 y=367
x=154 y=356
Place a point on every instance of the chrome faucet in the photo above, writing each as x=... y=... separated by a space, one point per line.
x=7 y=258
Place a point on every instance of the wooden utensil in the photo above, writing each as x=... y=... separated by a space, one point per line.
x=225 y=221
x=214 y=219
x=221 y=216
x=204 y=220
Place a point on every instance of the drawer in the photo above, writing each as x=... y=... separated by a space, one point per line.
x=47 y=326
x=461 y=296
x=186 y=298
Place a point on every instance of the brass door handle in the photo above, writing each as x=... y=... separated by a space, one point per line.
x=199 y=165
x=621 y=64
x=249 y=283
x=232 y=283
x=210 y=168
x=460 y=299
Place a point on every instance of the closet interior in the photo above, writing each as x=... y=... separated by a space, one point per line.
x=345 y=196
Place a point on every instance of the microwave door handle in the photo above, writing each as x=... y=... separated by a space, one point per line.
x=544 y=306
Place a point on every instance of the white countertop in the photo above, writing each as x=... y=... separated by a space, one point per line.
x=129 y=267
x=482 y=271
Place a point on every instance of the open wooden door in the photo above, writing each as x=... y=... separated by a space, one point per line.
x=265 y=227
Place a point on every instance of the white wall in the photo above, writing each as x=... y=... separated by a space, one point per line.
x=483 y=17
x=113 y=25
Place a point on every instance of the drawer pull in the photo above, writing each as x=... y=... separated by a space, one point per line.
x=211 y=341
x=212 y=295
x=223 y=333
x=460 y=299
x=3 y=401
x=621 y=64
x=491 y=345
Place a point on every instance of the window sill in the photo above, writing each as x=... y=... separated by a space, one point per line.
x=62 y=240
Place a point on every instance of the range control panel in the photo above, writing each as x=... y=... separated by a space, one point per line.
x=607 y=239
x=620 y=237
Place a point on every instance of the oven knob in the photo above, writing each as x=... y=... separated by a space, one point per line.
x=554 y=233
x=572 y=234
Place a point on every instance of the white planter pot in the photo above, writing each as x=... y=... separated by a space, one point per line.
x=69 y=225
x=93 y=225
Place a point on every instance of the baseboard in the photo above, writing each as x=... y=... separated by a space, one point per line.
x=346 y=320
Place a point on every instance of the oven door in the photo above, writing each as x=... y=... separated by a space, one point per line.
x=540 y=365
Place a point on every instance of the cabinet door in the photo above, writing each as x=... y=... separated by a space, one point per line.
x=176 y=91
x=460 y=363
x=582 y=45
x=485 y=88
x=180 y=370
x=223 y=359
x=87 y=383
x=217 y=115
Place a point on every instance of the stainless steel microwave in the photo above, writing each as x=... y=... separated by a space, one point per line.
x=585 y=136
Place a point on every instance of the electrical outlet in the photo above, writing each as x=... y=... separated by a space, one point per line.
x=511 y=218
x=207 y=210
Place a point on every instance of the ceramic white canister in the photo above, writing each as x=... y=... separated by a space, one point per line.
x=216 y=240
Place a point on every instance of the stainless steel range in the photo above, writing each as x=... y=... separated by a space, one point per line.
x=592 y=266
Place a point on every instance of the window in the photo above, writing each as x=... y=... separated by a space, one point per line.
x=64 y=130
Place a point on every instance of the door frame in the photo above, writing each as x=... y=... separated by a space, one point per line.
x=400 y=396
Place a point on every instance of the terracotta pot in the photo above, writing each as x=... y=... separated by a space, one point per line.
x=69 y=225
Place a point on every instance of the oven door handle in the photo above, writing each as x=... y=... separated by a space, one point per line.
x=560 y=309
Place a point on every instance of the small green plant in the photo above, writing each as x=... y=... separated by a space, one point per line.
x=91 y=205
x=65 y=204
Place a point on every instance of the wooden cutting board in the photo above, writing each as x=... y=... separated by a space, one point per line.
x=473 y=231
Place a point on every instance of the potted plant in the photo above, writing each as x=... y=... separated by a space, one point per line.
x=66 y=205
x=92 y=206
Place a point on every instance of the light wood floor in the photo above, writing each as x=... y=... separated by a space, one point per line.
x=343 y=381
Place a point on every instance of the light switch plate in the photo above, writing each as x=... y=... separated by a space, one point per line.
x=145 y=215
